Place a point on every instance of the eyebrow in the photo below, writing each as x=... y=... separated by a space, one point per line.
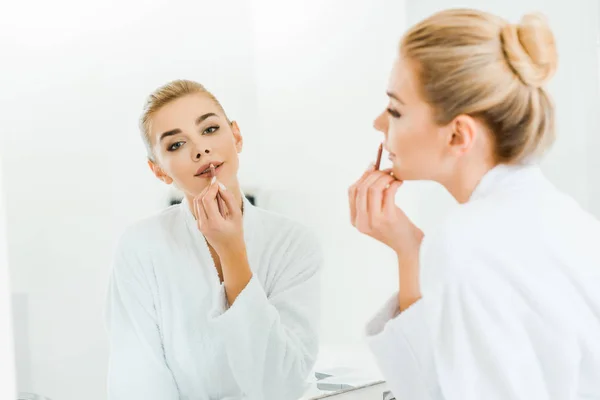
x=199 y=120
x=393 y=96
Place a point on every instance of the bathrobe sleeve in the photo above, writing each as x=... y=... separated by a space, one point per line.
x=271 y=338
x=467 y=338
x=137 y=365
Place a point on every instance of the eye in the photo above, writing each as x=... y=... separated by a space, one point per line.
x=393 y=113
x=210 y=130
x=175 y=146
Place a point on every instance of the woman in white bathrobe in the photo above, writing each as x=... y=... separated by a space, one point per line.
x=502 y=300
x=201 y=305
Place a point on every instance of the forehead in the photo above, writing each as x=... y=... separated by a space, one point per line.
x=402 y=81
x=182 y=113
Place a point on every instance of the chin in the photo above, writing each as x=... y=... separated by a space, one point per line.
x=194 y=188
x=399 y=172
x=405 y=174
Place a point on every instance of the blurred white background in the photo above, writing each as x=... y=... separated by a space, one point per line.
x=304 y=79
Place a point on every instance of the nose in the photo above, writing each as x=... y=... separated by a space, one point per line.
x=381 y=123
x=198 y=153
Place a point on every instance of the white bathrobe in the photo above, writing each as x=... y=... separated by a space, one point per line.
x=172 y=334
x=511 y=300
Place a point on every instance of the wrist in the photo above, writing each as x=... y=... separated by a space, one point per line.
x=409 y=290
x=404 y=301
x=232 y=251
x=409 y=251
x=407 y=259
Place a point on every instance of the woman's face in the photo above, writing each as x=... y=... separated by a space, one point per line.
x=189 y=134
x=417 y=145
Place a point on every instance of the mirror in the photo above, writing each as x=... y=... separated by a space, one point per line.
x=303 y=81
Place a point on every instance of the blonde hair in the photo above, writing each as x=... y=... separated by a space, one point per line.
x=472 y=62
x=165 y=95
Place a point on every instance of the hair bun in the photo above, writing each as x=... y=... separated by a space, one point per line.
x=530 y=49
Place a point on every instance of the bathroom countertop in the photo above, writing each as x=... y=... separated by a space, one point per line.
x=350 y=365
x=372 y=391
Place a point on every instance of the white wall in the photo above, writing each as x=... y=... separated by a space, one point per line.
x=594 y=136
x=75 y=171
x=7 y=360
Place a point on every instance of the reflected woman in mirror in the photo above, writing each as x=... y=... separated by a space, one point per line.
x=502 y=299
x=212 y=298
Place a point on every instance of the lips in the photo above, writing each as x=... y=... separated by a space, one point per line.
x=390 y=154
x=204 y=170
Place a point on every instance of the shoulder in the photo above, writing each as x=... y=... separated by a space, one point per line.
x=144 y=234
x=464 y=239
x=139 y=242
x=284 y=231
x=468 y=221
x=294 y=249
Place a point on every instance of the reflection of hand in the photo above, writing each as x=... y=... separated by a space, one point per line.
x=373 y=212
x=222 y=233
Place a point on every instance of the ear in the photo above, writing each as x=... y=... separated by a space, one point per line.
x=239 y=141
x=463 y=134
x=159 y=173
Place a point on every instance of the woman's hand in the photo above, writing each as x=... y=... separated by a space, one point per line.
x=373 y=211
x=222 y=233
x=226 y=236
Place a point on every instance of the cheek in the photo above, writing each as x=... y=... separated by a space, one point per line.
x=174 y=163
x=220 y=143
x=403 y=136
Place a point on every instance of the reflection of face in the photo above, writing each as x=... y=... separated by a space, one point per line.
x=415 y=142
x=190 y=133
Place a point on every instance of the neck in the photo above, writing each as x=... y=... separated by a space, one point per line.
x=463 y=182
